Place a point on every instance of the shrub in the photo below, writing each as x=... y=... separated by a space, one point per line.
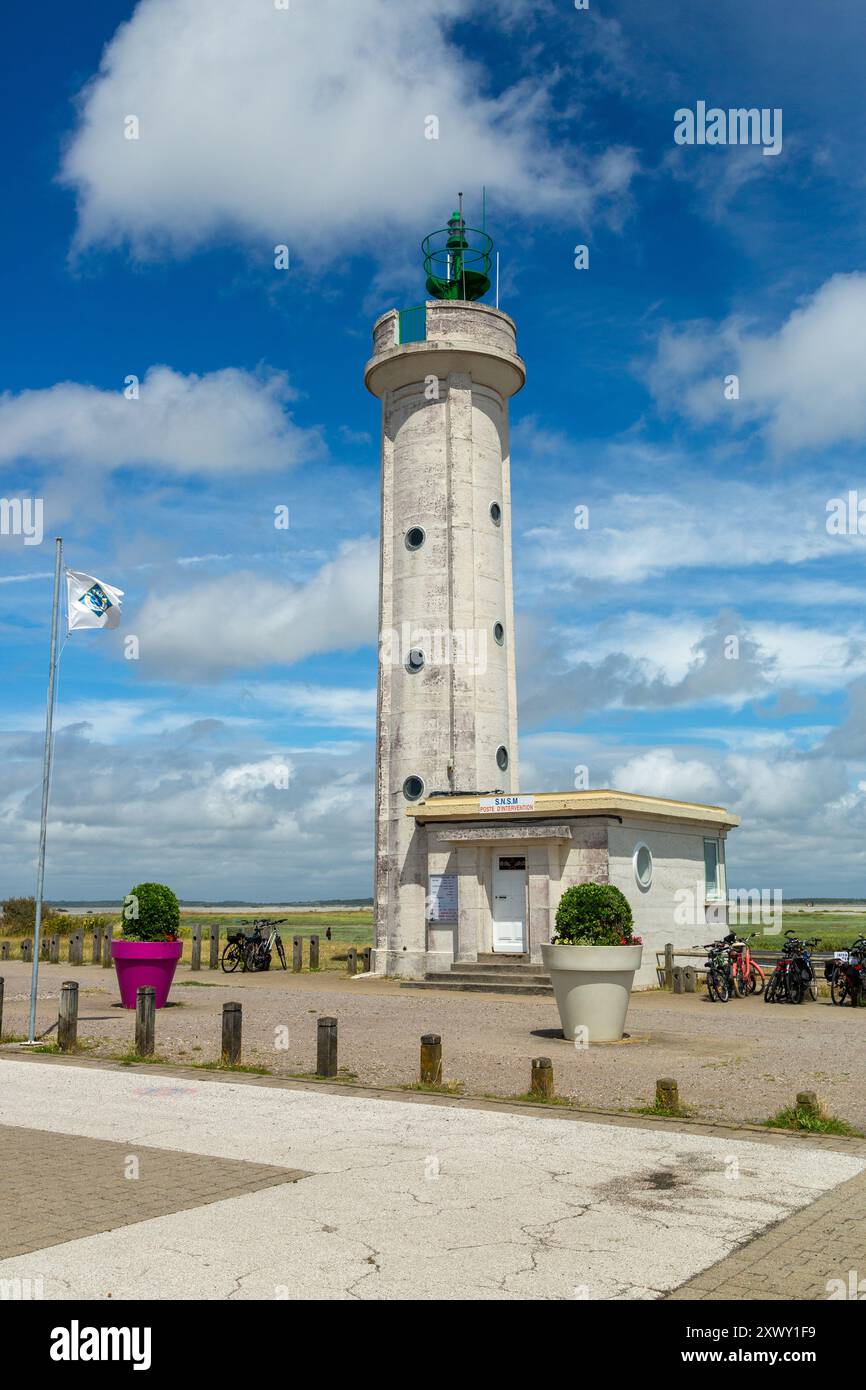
x=19 y=914
x=594 y=914
x=151 y=912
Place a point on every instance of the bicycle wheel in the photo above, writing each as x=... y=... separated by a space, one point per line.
x=720 y=988
x=281 y=952
x=232 y=957
x=813 y=989
x=838 y=988
x=794 y=987
x=739 y=984
x=711 y=986
x=757 y=979
x=771 y=993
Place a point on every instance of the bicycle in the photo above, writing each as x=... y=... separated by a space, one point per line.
x=252 y=950
x=847 y=974
x=746 y=973
x=719 y=977
x=793 y=975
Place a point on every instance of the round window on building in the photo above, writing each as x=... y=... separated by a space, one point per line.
x=496 y=513
x=415 y=537
x=643 y=866
x=413 y=789
x=415 y=660
x=499 y=633
x=502 y=757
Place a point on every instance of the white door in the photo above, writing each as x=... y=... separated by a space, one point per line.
x=509 y=903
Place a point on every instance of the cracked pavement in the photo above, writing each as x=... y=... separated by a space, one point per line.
x=400 y=1200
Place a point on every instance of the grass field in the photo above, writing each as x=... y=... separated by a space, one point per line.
x=834 y=929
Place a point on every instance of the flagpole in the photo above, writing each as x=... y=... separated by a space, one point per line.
x=46 y=782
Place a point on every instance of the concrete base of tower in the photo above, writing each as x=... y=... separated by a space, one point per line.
x=406 y=965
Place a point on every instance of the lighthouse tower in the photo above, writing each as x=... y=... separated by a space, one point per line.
x=446 y=709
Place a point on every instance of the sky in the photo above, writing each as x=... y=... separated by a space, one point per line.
x=167 y=390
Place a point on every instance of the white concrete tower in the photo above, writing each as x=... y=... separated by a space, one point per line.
x=447 y=702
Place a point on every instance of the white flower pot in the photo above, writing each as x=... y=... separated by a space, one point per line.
x=592 y=986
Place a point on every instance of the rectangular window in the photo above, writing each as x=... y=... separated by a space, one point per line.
x=714 y=869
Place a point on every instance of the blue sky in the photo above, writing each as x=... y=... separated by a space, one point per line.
x=257 y=647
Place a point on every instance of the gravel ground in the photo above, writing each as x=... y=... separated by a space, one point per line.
x=740 y=1061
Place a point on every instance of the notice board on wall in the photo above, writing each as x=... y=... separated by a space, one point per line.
x=442 y=898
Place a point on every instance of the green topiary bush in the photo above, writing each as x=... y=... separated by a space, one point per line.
x=594 y=914
x=151 y=912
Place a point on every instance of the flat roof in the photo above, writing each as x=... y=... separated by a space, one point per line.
x=538 y=805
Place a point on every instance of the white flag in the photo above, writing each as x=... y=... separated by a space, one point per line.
x=90 y=602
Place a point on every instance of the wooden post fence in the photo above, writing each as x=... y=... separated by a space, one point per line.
x=145 y=1020
x=368 y=959
x=541 y=1081
x=5 y=949
x=326 y=1047
x=27 y=949
x=215 y=947
x=231 y=1041
x=352 y=961
x=314 y=953
x=297 y=953
x=431 y=1060
x=54 y=956
x=67 y=1019
x=96 y=946
x=195 y=962
x=106 y=949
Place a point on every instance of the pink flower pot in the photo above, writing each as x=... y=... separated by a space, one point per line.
x=145 y=963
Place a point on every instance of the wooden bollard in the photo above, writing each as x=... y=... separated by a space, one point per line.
x=297 y=953
x=352 y=961
x=690 y=979
x=54 y=956
x=678 y=979
x=541 y=1083
x=231 y=1046
x=27 y=949
x=667 y=1094
x=669 y=966
x=195 y=962
x=2 y=986
x=214 y=958
x=106 y=948
x=5 y=949
x=431 y=1060
x=67 y=1019
x=326 y=1047
x=96 y=946
x=145 y=1020
x=368 y=959
x=314 y=953
x=44 y=947
x=808 y=1101
x=76 y=948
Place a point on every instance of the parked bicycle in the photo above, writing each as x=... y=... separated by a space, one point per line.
x=252 y=948
x=746 y=974
x=847 y=974
x=720 y=983
x=793 y=976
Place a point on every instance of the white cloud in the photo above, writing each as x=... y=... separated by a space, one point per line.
x=307 y=127
x=804 y=385
x=221 y=423
x=246 y=621
x=714 y=522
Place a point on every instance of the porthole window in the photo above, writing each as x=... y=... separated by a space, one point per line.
x=415 y=660
x=499 y=633
x=413 y=789
x=502 y=757
x=495 y=513
x=643 y=866
x=415 y=537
